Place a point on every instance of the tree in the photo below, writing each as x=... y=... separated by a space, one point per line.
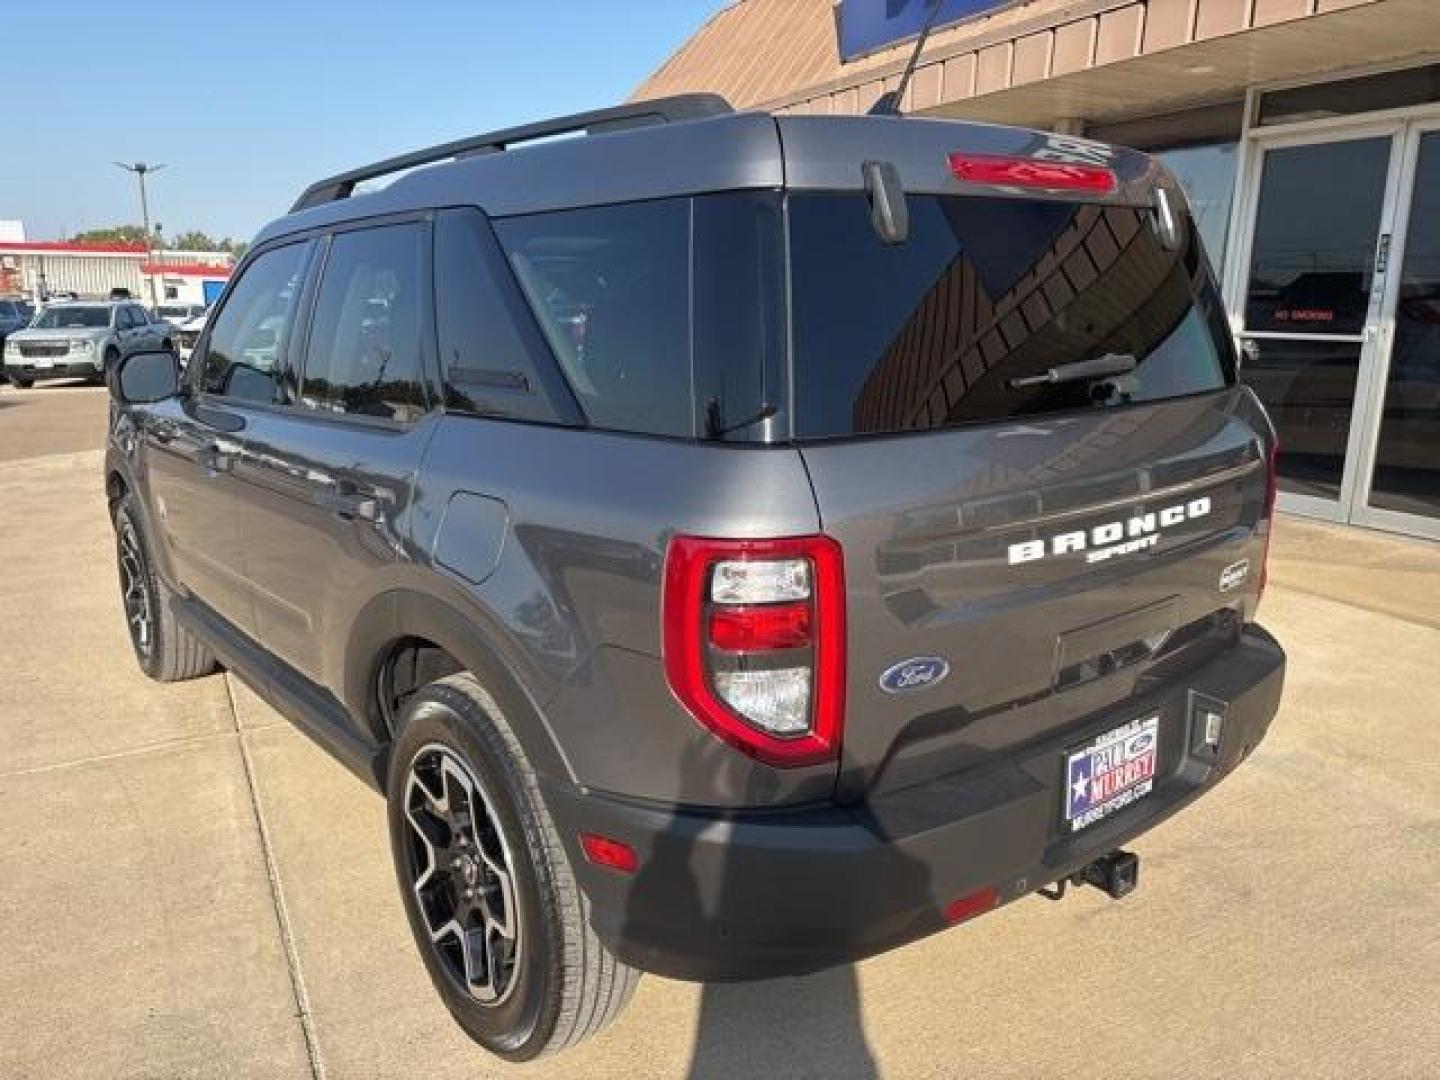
x=115 y=234
x=193 y=240
x=189 y=240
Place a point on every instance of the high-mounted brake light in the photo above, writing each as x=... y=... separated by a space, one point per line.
x=754 y=642
x=1032 y=173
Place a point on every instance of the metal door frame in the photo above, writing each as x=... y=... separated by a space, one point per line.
x=1245 y=218
x=1361 y=512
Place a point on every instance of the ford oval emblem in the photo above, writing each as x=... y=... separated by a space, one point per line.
x=1140 y=743
x=914 y=674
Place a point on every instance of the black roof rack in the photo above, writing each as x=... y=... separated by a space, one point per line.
x=637 y=114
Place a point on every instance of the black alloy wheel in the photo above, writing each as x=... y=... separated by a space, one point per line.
x=136 y=593
x=462 y=875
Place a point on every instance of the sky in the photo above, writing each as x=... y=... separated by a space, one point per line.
x=248 y=101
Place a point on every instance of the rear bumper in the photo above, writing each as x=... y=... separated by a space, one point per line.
x=720 y=898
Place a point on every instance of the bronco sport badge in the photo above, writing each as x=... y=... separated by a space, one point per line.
x=1114 y=537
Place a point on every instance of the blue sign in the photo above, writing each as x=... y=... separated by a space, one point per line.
x=868 y=25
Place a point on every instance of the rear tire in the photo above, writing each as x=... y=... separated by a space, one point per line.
x=22 y=384
x=165 y=650
x=549 y=983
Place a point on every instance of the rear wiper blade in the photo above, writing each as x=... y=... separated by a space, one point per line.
x=1101 y=367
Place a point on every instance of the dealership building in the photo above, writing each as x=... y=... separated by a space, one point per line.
x=1306 y=132
x=44 y=268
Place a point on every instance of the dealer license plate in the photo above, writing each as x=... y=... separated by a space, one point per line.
x=1112 y=772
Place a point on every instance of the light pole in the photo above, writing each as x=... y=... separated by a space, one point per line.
x=140 y=169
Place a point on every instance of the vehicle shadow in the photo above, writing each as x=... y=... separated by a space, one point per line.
x=806 y=1026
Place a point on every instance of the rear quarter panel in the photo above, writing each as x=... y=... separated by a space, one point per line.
x=576 y=588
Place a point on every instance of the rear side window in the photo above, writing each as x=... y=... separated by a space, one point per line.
x=666 y=317
x=611 y=290
x=251 y=332
x=491 y=355
x=364 y=356
x=931 y=333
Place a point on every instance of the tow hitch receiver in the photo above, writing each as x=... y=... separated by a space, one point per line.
x=1116 y=875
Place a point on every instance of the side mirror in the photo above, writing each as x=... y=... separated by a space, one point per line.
x=145 y=378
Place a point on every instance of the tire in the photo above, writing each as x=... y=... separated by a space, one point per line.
x=108 y=364
x=551 y=983
x=165 y=650
x=22 y=384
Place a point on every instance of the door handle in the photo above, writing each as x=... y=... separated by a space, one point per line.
x=348 y=501
x=219 y=456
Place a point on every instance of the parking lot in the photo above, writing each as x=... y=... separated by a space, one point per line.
x=188 y=887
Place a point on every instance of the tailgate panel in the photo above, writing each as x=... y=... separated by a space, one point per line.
x=1051 y=562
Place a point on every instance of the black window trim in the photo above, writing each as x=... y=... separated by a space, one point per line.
x=294 y=363
x=555 y=388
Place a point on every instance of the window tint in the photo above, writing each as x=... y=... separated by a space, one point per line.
x=250 y=334
x=610 y=287
x=931 y=333
x=491 y=355
x=364 y=354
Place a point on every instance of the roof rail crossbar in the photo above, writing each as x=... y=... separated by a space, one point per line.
x=636 y=114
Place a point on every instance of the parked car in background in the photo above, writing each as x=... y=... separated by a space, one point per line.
x=85 y=340
x=175 y=314
x=187 y=333
x=14 y=315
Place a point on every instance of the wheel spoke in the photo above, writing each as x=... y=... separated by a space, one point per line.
x=462 y=874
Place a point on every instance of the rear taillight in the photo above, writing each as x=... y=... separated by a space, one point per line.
x=1272 y=488
x=754 y=642
x=1026 y=172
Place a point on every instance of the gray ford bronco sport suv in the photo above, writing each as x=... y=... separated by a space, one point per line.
x=734 y=544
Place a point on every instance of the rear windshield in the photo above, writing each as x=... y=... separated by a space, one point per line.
x=931 y=333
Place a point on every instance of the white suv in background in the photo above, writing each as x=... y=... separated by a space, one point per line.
x=82 y=339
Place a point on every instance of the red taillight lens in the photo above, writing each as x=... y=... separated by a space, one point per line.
x=1031 y=173
x=604 y=851
x=754 y=642
x=760 y=627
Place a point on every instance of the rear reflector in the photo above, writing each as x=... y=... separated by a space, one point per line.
x=972 y=904
x=614 y=854
x=1030 y=173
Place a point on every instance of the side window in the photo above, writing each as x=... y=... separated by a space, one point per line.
x=491 y=354
x=365 y=352
x=249 y=336
x=120 y=318
x=610 y=287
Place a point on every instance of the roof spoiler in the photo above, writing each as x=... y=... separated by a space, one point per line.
x=664 y=110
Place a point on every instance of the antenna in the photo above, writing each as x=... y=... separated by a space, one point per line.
x=889 y=102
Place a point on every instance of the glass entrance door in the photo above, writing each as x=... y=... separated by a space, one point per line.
x=1310 y=305
x=1402 y=461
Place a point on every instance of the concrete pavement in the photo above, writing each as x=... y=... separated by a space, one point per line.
x=188 y=887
